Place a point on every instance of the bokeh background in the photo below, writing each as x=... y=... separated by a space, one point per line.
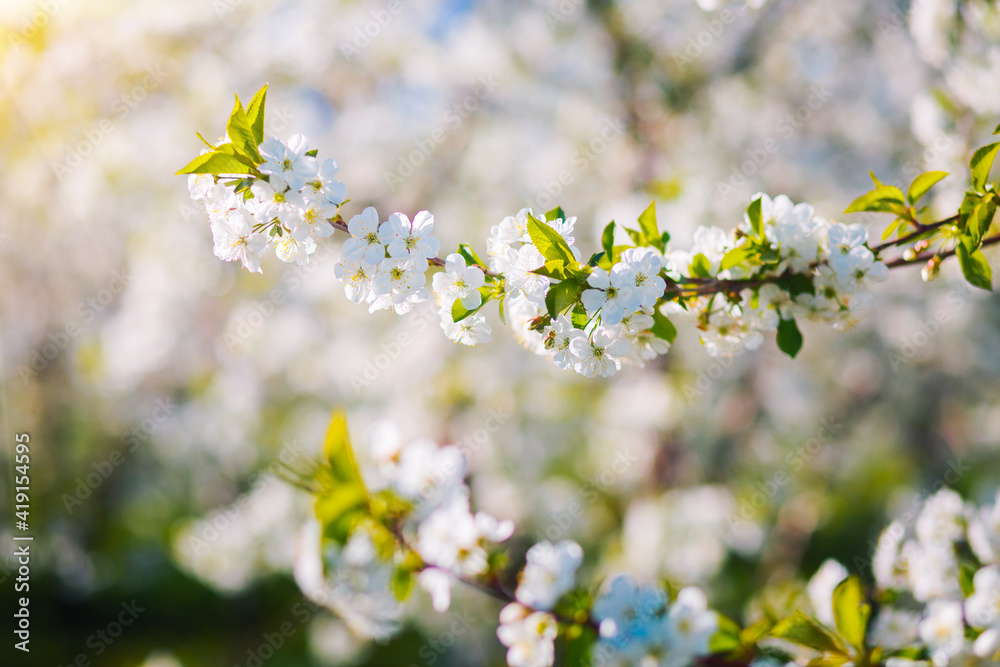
x=159 y=384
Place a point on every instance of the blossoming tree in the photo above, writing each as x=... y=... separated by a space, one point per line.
x=936 y=594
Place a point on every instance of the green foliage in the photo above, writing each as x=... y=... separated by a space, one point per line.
x=922 y=183
x=555 y=214
x=460 y=312
x=975 y=268
x=217 y=163
x=883 y=199
x=255 y=114
x=980 y=165
x=240 y=133
x=343 y=499
x=804 y=631
x=851 y=612
x=608 y=240
x=701 y=267
x=548 y=241
x=650 y=229
x=471 y=258
x=562 y=295
x=663 y=327
x=789 y=337
x=754 y=215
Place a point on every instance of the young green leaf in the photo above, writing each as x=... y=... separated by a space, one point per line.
x=726 y=638
x=650 y=228
x=979 y=221
x=548 y=241
x=466 y=251
x=922 y=183
x=851 y=612
x=216 y=163
x=892 y=227
x=635 y=235
x=701 y=267
x=754 y=216
x=402 y=583
x=255 y=114
x=735 y=257
x=338 y=451
x=800 y=629
x=555 y=214
x=975 y=268
x=240 y=133
x=789 y=337
x=608 y=239
x=663 y=327
x=460 y=312
x=981 y=163
x=561 y=295
x=884 y=199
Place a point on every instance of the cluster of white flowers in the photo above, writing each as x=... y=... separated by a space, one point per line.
x=834 y=256
x=385 y=263
x=623 y=297
x=924 y=562
x=638 y=625
x=289 y=210
x=461 y=283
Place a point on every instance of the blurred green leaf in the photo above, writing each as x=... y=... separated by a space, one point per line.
x=789 y=337
x=975 y=268
x=980 y=165
x=800 y=629
x=922 y=183
x=548 y=241
x=255 y=114
x=851 y=612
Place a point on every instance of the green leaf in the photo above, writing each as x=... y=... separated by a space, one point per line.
x=255 y=114
x=735 y=257
x=579 y=640
x=215 y=163
x=966 y=575
x=701 y=267
x=754 y=216
x=789 y=337
x=751 y=635
x=800 y=629
x=338 y=451
x=561 y=295
x=402 y=583
x=460 y=312
x=596 y=258
x=884 y=199
x=466 y=251
x=553 y=269
x=579 y=316
x=892 y=227
x=975 y=268
x=981 y=163
x=996 y=130
x=635 y=235
x=340 y=509
x=663 y=327
x=851 y=612
x=555 y=214
x=205 y=141
x=240 y=133
x=979 y=221
x=548 y=241
x=608 y=239
x=650 y=228
x=922 y=183
x=726 y=638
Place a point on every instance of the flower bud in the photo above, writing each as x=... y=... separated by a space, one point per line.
x=931 y=271
x=539 y=323
x=910 y=254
